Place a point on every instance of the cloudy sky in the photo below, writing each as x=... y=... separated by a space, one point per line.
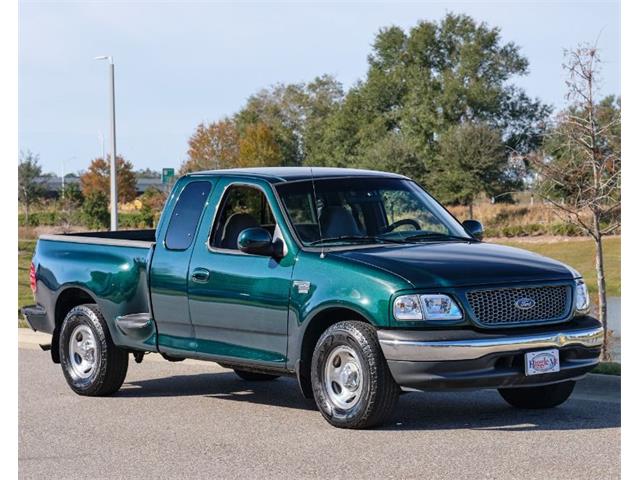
x=181 y=63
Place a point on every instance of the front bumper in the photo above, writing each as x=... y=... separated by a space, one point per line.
x=425 y=359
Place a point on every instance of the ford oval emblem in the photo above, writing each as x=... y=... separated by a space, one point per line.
x=525 y=303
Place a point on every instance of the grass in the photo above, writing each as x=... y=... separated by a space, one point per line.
x=580 y=254
x=608 y=368
x=25 y=297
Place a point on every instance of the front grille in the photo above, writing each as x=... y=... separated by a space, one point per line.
x=511 y=306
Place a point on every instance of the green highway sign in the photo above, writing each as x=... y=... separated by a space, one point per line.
x=167 y=175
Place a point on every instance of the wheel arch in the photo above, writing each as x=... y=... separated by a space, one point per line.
x=315 y=326
x=68 y=298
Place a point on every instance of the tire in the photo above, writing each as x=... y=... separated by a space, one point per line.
x=546 y=396
x=352 y=384
x=91 y=363
x=253 y=376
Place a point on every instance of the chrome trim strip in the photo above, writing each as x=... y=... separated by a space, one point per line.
x=116 y=242
x=436 y=351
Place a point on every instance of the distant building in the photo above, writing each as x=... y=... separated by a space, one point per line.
x=54 y=184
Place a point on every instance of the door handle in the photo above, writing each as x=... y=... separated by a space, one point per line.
x=200 y=275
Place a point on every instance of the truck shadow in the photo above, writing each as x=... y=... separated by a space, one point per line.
x=475 y=410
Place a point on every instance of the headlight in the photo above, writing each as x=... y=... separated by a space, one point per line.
x=582 y=297
x=407 y=307
x=440 y=307
x=426 y=307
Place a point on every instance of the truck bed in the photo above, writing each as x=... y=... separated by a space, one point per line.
x=106 y=268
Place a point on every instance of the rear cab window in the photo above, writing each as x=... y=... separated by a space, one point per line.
x=186 y=215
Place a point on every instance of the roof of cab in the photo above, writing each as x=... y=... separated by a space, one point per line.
x=291 y=174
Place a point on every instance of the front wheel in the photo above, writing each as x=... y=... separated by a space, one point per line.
x=546 y=396
x=91 y=363
x=352 y=384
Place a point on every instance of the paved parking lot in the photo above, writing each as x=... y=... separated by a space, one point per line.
x=195 y=419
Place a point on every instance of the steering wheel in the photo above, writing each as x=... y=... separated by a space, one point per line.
x=404 y=221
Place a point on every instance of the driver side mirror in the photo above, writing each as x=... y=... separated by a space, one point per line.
x=258 y=241
x=474 y=228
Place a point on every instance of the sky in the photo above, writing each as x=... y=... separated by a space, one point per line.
x=181 y=63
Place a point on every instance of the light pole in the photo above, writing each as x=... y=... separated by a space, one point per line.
x=114 y=183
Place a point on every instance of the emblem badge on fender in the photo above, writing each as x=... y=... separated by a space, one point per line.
x=302 y=286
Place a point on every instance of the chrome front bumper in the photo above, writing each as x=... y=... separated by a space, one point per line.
x=396 y=346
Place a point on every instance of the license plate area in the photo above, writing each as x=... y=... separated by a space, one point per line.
x=542 y=361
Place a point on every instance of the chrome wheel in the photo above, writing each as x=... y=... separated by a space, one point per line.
x=82 y=352
x=343 y=377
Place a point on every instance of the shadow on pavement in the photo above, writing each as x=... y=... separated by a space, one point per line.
x=477 y=410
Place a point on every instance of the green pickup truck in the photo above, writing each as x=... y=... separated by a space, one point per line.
x=358 y=283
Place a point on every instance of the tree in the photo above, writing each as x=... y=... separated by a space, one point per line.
x=29 y=190
x=579 y=167
x=152 y=201
x=213 y=146
x=280 y=109
x=473 y=161
x=258 y=147
x=95 y=210
x=98 y=179
x=423 y=82
x=69 y=200
x=295 y=115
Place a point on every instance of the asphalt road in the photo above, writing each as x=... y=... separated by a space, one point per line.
x=195 y=419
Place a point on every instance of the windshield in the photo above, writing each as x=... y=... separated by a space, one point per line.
x=366 y=210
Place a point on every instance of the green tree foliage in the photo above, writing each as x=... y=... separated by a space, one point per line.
x=473 y=160
x=422 y=83
x=279 y=109
x=295 y=115
x=29 y=191
x=95 y=210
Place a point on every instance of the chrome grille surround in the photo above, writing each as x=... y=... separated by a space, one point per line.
x=504 y=306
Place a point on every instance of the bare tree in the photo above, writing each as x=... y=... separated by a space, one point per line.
x=579 y=166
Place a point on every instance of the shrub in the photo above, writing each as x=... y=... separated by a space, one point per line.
x=95 y=211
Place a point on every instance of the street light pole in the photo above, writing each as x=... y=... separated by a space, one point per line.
x=114 y=183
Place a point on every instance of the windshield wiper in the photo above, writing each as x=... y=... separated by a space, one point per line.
x=438 y=236
x=357 y=238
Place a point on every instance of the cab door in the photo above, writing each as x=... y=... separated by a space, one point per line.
x=170 y=264
x=239 y=302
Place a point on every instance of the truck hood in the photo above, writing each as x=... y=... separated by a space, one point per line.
x=459 y=264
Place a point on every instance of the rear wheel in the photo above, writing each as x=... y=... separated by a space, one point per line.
x=546 y=396
x=352 y=384
x=91 y=363
x=253 y=376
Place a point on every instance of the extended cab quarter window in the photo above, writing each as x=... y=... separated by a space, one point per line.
x=185 y=216
x=242 y=207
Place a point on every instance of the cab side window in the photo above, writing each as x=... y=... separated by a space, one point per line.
x=242 y=207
